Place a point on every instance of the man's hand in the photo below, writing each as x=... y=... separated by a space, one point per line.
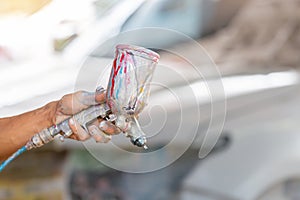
x=15 y=131
x=73 y=103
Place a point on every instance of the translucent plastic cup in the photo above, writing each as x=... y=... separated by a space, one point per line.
x=129 y=84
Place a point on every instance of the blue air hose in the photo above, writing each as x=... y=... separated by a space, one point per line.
x=12 y=157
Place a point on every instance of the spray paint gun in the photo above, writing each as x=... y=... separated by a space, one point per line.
x=126 y=96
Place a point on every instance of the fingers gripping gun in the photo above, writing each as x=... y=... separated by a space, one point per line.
x=126 y=96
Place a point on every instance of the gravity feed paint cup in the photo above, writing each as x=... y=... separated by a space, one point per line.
x=129 y=83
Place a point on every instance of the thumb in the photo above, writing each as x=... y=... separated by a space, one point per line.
x=91 y=98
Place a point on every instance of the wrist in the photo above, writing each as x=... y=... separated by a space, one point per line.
x=48 y=114
x=22 y=127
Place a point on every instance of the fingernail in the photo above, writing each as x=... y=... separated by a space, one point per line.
x=100 y=89
x=93 y=130
x=71 y=121
x=103 y=126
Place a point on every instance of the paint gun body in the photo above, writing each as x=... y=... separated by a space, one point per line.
x=126 y=96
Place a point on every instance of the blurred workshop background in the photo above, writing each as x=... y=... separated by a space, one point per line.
x=256 y=47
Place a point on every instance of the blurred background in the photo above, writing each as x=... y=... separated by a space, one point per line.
x=255 y=45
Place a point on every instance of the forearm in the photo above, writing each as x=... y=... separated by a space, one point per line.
x=16 y=131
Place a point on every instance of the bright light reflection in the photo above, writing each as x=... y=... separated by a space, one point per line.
x=245 y=84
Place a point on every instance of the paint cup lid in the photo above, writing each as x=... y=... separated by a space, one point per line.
x=141 y=51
